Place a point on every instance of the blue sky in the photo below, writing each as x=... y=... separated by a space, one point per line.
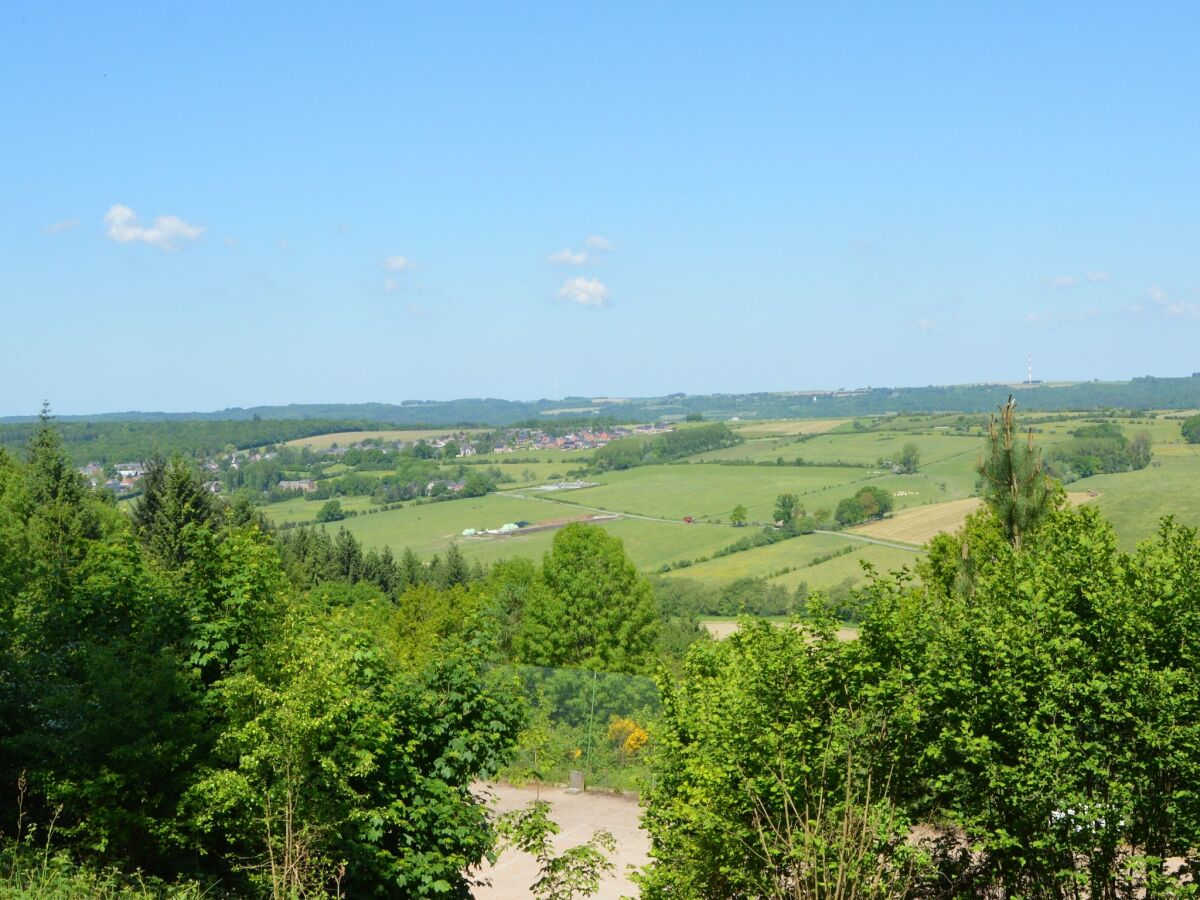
x=209 y=205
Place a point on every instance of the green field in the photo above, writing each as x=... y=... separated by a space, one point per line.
x=430 y=527
x=1133 y=501
x=709 y=491
x=798 y=553
x=301 y=510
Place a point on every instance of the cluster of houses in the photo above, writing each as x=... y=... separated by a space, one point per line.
x=584 y=439
x=123 y=480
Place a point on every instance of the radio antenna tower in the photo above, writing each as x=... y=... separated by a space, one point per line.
x=1029 y=371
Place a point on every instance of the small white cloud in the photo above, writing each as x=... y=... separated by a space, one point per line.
x=398 y=264
x=584 y=291
x=415 y=309
x=166 y=233
x=285 y=244
x=1098 y=277
x=595 y=242
x=1172 y=306
x=390 y=285
x=61 y=226
x=1038 y=318
x=569 y=258
x=926 y=325
x=1062 y=281
x=229 y=241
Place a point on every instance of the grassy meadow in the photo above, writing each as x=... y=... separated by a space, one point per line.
x=935 y=498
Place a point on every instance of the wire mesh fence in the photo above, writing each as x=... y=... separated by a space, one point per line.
x=587 y=721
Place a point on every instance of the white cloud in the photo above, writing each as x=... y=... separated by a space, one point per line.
x=61 y=226
x=569 y=258
x=1062 y=281
x=398 y=264
x=390 y=285
x=927 y=325
x=229 y=241
x=415 y=309
x=1172 y=306
x=595 y=242
x=166 y=233
x=584 y=291
x=1098 y=277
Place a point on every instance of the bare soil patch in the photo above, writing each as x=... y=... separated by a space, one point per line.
x=579 y=815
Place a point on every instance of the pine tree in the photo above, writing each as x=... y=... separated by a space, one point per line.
x=1015 y=486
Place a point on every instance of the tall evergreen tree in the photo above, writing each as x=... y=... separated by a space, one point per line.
x=1015 y=486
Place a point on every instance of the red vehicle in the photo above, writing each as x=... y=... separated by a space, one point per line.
x=688 y=519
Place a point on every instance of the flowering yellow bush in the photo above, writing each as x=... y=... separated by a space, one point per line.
x=627 y=734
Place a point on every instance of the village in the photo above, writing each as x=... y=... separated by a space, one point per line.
x=124 y=478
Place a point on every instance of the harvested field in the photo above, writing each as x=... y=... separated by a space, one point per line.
x=918 y=524
x=346 y=438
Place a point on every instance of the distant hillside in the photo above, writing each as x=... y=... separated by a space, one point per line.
x=1140 y=393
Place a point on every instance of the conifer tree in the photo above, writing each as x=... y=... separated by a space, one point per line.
x=1015 y=486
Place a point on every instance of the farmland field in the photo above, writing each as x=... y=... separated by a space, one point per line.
x=346 y=438
x=788 y=427
x=797 y=551
x=937 y=498
x=429 y=528
x=709 y=491
x=918 y=524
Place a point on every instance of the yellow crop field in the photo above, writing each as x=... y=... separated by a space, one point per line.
x=346 y=438
x=919 y=523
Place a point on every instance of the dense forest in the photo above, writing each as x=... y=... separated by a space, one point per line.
x=110 y=441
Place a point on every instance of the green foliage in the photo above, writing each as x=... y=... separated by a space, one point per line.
x=335 y=753
x=767 y=780
x=1191 y=430
x=180 y=707
x=636 y=451
x=576 y=872
x=1035 y=709
x=174 y=510
x=910 y=459
x=1015 y=488
x=1099 y=449
x=869 y=502
x=787 y=507
x=331 y=511
x=107 y=440
x=598 y=612
x=738 y=517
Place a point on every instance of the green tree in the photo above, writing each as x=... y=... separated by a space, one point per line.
x=1015 y=487
x=910 y=458
x=738 y=517
x=174 y=510
x=787 y=507
x=575 y=872
x=331 y=511
x=598 y=611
